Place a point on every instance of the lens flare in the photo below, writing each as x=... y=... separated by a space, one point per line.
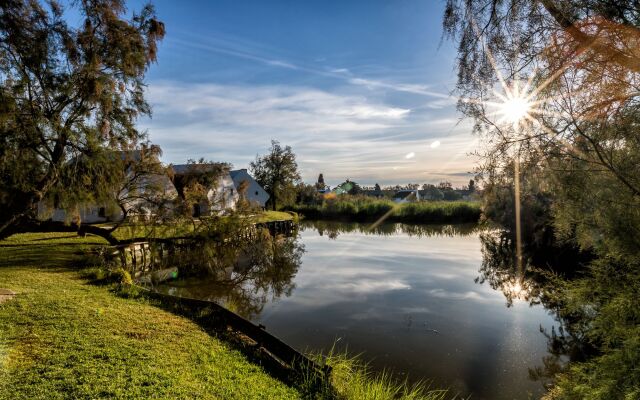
x=515 y=105
x=514 y=110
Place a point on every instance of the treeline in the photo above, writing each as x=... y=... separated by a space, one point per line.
x=365 y=209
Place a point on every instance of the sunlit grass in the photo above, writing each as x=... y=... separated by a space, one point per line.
x=62 y=337
x=352 y=379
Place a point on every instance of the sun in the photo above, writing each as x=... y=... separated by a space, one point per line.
x=515 y=109
x=515 y=105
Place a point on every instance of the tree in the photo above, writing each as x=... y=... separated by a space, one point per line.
x=377 y=188
x=195 y=185
x=67 y=92
x=320 y=185
x=572 y=71
x=581 y=105
x=306 y=194
x=277 y=172
x=445 y=185
x=472 y=185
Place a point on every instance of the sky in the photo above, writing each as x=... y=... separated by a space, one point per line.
x=359 y=89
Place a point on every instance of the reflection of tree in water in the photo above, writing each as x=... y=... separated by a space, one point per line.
x=244 y=278
x=540 y=283
x=333 y=229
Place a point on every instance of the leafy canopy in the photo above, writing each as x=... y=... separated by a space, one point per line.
x=277 y=172
x=68 y=92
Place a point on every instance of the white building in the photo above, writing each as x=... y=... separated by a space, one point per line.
x=256 y=195
x=135 y=197
x=221 y=196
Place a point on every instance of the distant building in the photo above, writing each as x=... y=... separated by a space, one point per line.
x=256 y=195
x=406 y=196
x=145 y=186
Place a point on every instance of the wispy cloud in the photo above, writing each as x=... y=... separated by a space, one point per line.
x=344 y=135
x=256 y=52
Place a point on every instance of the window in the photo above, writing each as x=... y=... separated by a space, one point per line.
x=256 y=192
x=102 y=212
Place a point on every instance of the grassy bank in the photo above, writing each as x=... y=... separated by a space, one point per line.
x=64 y=337
x=172 y=230
x=367 y=210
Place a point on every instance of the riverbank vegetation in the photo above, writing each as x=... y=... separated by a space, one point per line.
x=562 y=142
x=362 y=208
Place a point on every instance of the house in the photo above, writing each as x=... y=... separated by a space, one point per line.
x=220 y=195
x=255 y=194
x=347 y=187
x=139 y=195
x=406 y=196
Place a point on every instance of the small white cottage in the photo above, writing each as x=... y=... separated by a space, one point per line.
x=256 y=195
x=221 y=196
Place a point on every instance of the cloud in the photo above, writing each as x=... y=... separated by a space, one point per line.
x=342 y=133
x=252 y=51
x=410 y=155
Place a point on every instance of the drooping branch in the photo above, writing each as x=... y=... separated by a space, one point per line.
x=586 y=40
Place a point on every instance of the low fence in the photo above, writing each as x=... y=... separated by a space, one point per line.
x=140 y=258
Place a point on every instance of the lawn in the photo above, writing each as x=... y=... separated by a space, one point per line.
x=63 y=337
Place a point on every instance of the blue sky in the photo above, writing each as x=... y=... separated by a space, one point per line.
x=359 y=89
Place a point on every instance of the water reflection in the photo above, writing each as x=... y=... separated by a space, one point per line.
x=539 y=284
x=247 y=277
x=332 y=229
x=402 y=295
x=499 y=270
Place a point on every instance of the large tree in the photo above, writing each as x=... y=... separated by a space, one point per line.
x=277 y=172
x=68 y=92
x=570 y=72
x=553 y=87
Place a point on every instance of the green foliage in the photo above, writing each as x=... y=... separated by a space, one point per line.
x=277 y=172
x=68 y=92
x=580 y=155
x=351 y=379
x=361 y=208
x=604 y=307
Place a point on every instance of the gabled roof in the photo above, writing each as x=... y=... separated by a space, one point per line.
x=403 y=194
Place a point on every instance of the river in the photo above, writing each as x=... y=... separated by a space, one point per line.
x=405 y=297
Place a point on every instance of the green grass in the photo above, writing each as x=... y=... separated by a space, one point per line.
x=367 y=209
x=268 y=216
x=170 y=230
x=62 y=337
x=351 y=379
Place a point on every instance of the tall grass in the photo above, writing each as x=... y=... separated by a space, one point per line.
x=367 y=209
x=352 y=379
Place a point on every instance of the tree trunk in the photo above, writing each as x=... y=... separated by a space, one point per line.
x=30 y=225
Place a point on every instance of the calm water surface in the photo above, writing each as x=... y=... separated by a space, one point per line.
x=408 y=302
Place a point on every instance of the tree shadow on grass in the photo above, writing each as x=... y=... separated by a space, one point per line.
x=41 y=255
